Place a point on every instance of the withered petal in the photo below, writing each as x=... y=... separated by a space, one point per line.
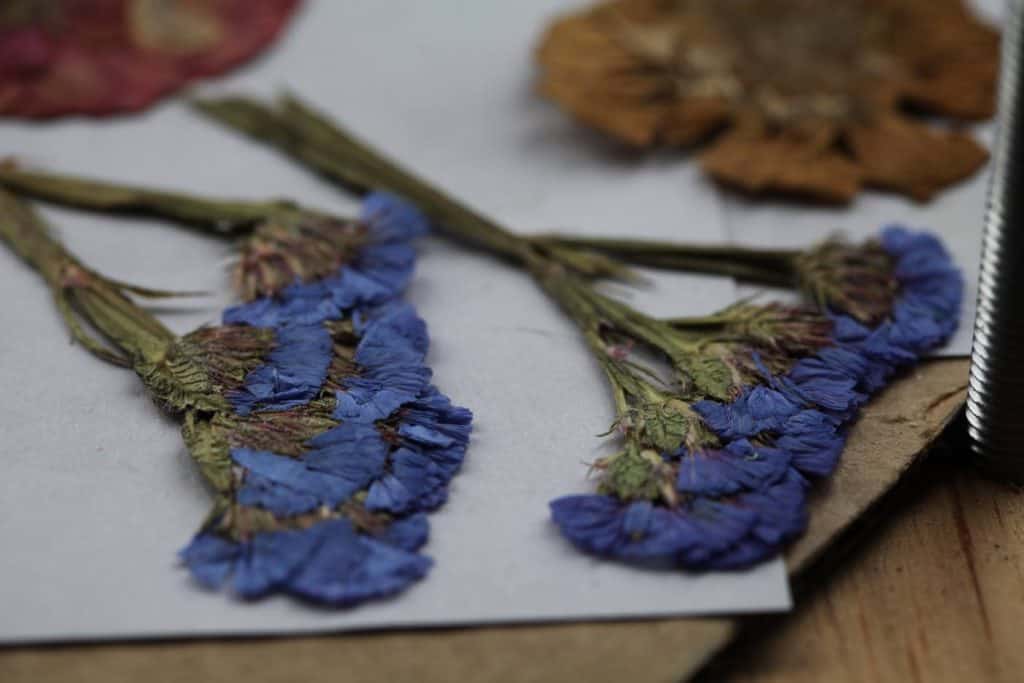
x=674 y=72
x=803 y=164
x=897 y=154
x=964 y=88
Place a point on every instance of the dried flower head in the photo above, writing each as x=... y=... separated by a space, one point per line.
x=857 y=279
x=310 y=412
x=724 y=418
x=730 y=488
x=803 y=97
x=294 y=248
x=100 y=57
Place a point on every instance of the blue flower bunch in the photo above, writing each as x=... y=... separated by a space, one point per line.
x=733 y=493
x=309 y=411
x=336 y=444
x=723 y=419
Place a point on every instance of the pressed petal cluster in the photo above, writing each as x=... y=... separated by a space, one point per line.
x=739 y=502
x=99 y=57
x=337 y=443
x=795 y=96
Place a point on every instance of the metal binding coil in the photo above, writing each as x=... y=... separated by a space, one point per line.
x=995 y=395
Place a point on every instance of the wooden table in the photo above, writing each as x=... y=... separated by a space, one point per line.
x=935 y=593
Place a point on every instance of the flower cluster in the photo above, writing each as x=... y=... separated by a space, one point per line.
x=734 y=492
x=724 y=418
x=335 y=445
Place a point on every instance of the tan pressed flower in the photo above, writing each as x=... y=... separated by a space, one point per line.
x=806 y=97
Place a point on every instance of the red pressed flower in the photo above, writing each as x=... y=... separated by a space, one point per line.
x=100 y=57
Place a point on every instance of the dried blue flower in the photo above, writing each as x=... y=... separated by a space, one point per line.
x=390 y=359
x=329 y=562
x=309 y=412
x=751 y=466
x=376 y=271
x=432 y=435
x=739 y=466
x=757 y=409
x=293 y=373
x=640 y=531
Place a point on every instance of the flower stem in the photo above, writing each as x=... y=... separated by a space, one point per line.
x=83 y=295
x=225 y=217
x=309 y=137
x=760 y=266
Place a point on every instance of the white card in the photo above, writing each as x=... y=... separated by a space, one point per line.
x=98 y=492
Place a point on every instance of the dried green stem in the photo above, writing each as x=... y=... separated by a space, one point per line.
x=759 y=266
x=82 y=294
x=309 y=137
x=226 y=217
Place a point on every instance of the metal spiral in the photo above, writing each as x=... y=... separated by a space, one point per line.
x=995 y=395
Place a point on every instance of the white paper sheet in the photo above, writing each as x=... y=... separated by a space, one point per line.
x=98 y=492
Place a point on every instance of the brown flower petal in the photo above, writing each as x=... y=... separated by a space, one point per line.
x=910 y=158
x=797 y=162
x=99 y=57
x=794 y=84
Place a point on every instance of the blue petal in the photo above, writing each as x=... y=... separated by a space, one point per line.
x=644 y=533
x=353 y=452
x=348 y=568
x=297 y=304
x=276 y=496
x=814 y=442
x=393 y=218
x=289 y=486
x=740 y=466
x=388 y=494
x=210 y=558
x=756 y=410
x=781 y=517
x=408 y=533
x=846 y=329
x=293 y=373
x=270 y=559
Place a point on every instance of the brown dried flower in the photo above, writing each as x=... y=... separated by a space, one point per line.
x=802 y=96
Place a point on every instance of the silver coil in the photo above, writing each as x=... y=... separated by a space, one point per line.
x=995 y=393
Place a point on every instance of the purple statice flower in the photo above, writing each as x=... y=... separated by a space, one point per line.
x=741 y=501
x=347 y=505
x=330 y=563
x=432 y=436
x=390 y=355
x=292 y=374
x=641 y=531
x=739 y=466
x=297 y=366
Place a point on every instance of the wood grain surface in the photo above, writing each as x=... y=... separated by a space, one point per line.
x=936 y=593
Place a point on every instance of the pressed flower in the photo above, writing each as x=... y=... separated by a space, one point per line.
x=791 y=96
x=313 y=421
x=328 y=563
x=99 y=57
x=363 y=262
x=758 y=451
x=742 y=409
